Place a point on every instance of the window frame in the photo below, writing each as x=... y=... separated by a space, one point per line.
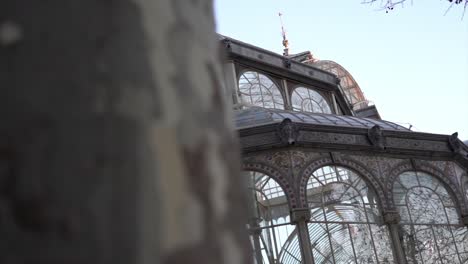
x=275 y=84
x=414 y=227
x=325 y=98
x=370 y=225
x=275 y=231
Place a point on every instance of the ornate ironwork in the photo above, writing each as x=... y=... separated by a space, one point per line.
x=454 y=142
x=376 y=137
x=288 y=132
x=287 y=63
x=391 y=217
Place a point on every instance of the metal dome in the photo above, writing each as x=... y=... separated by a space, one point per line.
x=348 y=84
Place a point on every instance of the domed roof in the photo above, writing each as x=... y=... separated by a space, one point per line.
x=348 y=84
x=256 y=116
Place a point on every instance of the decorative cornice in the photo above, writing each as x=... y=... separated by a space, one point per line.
x=400 y=144
x=288 y=132
x=227 y=43
x=376 y=137
x=298 y=215
x=391 y=217
x=287 y=63
x=262 y=58
x=454 y=143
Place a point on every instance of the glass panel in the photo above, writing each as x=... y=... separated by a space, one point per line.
x=314 y=193
x=382 y=243
x=273 y=238
x=427 y=181
x=291 y=250
x=341 y=243
x=426 y=244
x=430 y=221
x=317 y=214
x=271 y=189
x=446 y=245
x=341 y=193
x=347 y=84
x=373 y=214
x=410 y=245
x=271 y=244
x=345 y=213
x=425 y=206
x=444 y=195
x=464 y=257
x=308 y=100
x=408 y=180
x=461 y=239
x=361 y=236
x=321 y=249
x=399 y=194
x=259 y=90
x=348 y=206
x=452 y=215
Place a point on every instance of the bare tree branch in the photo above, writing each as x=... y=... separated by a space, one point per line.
x=389 y=5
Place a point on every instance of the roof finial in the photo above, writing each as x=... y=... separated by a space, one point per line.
x=285 y=40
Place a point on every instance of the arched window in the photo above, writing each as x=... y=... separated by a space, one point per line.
x=273 y=238
x=430 y=225
x=465 y=185
x=259 y=90
x=346 y=224
x=308 y=100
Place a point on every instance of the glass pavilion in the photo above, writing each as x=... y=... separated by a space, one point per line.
x=327 y=180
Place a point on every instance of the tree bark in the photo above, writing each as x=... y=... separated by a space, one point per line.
x=115 y=144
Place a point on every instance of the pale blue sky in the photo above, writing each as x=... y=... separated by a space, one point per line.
x=412 y=62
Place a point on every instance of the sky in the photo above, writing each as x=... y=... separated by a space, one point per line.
x=411 y=62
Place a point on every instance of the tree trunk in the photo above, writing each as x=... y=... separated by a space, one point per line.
x=115 y=144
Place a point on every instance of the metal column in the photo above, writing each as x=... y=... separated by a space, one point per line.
x=392 y=219
x=300 y=217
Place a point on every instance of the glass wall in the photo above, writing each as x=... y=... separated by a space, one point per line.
x=273 y=238
x=346 y=224
x=430 y=225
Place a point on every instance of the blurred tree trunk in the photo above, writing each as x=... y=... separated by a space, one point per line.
x=115 y=144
